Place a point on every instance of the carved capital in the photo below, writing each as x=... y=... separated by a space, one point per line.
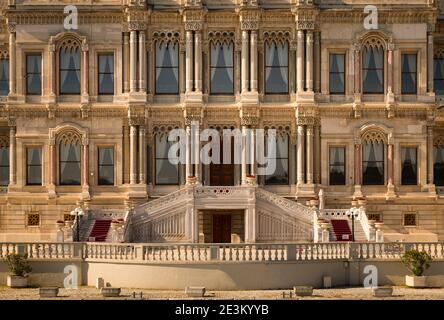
x=193 y=25
x=11 y=27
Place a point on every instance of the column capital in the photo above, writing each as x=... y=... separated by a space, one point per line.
x=249 y=19
x=12 y=27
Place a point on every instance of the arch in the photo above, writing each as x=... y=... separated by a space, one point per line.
x=69 y=40
x=374 y=132
x=277 y=37
x=166 y=37
x=439 y=142
x=221 y=37
x=374 y=39
x=4 y=142
x=4 y=53
x=69 y=132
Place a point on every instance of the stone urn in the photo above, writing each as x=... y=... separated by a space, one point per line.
x=60 y=224
x=17 y=281
x=354 y=203
x=191 y=180
x=115 y=225
x=362 y=202
x=314 y=203
x=69 y=223
x=250 y=180
x=379 y=225
x=325 y=225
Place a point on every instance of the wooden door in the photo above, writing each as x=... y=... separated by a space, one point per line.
x=223 y=174
x=222 y=228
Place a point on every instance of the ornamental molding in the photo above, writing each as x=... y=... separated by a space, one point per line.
x=4 y=141
x=68 y=40
x=439 y=142
x=249 y=19
x=165 y=18
x=191 y=114
x=12 y=27
x=277 y=37
x=374 y=39
x=374 y=133
x=221 y=37
x=161 y=37
x=249 y=116
x=193 y=19
x=404 y=16
x=57 y=18
x=163 y=129
x=69 y=132
x=4 y=52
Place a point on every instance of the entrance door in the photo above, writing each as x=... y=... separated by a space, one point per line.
x=222 y=228
x=223 y=174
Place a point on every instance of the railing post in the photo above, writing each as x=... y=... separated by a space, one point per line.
x=353 y=251
x=291 y=252
x=214 y=253
x=139 y=252
x=78 y=250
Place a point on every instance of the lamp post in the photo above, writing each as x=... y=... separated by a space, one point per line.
x=78 y=212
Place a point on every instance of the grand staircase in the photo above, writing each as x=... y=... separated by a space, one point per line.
x=341 y=230
x=100 y=230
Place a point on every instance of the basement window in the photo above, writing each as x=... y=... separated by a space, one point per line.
x=410 y=220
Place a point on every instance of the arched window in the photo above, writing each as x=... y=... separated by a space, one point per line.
x=373 y=67
x=438 y=162
x=276 y=67
x=4 y=161
x=222 y=67
x=166 y=172
x=167 y=67
x=69 y=76
x=4 y=73
x=373 y=158
x=69 y=157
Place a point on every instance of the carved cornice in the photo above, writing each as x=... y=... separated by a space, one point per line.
x=249 y=19
x=191 y=114
x=193 y=19
x=56 y=17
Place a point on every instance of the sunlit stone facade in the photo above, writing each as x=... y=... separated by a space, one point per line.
x=84 y=113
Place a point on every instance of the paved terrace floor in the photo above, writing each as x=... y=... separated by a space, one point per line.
x=88 y=293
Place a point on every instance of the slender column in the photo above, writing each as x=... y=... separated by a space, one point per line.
x=188 y=172
x=252 y=152
x=12 y=150
x=300 y=61
x=317 y=62
x=390 y=164
x=133 y=154
x=126 y=154
x=189 y=61
x=196 y=137
x=198 y=61
x=85 y=73
x=244 y=155
x=300 y=156
x=309 y=154
x=390 y=69
x=52 y=164
x=12 y=63
x=357 y=70
x=142 y=62
x=245 y=82
x=309 y=61
x=253 y=62
x=85 y=165
x=133 y=61
x=430 y=49
x=430 y=178
x=142 y=155
x=358 y=164
x=126 y=62
x=317 y=157
x=182 y=67
x=52 y=68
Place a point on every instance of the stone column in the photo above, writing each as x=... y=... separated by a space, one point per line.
x=52 y=164
x=142 y=62
x=188 y=171
x=196 y=137
x=198 y=61
x=182 y=63
x=126 y=62
x=357 y=70
x=357 y=163
x=300 y=156
x=390 y=166
x=390 y=69
x=317 y=154
x=317 y=62
x=142 y=155
x=300 y=61
x=133 y=154
x=430 y=71
x=12 y=60
x=85 y=165
x=133 y=61
x=85 y=72
x=53 y=71
x=252 y=152
x=245 y=82
x=126 y=153
x=309 y=154
x=430 y=160
x=189 y=62
x=253 y=61
x=309 y=61
x=12 y=150
x=244 y=155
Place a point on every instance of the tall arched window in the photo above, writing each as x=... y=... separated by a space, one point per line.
x=4 y=160
x=69 y=158
x=167 y=67
x=166 y=172
x=438 y=162
x=373 y=67
x=4 y=73
x=373 y=169
x=69 y=79
x=276 y=67
x=222 y=67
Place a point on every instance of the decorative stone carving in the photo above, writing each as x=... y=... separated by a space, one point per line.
x=221 y=37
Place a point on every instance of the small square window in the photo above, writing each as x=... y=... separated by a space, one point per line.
x=374 y=216
x=33 y=220
x=68 y=217
x=410 y=219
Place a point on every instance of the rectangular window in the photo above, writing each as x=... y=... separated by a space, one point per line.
x=106 y=166
x=33 y=220
x=4 y=166
x=167 y=68
x=69 y=71
x=222 y=69
x=374 y=216
x=373 y=163
x=410 y=219
x=409 y=174
x=166 y=172
x=34 y=166
x=337 y=166
x=373 y=70
x=337 y=73
x=69 y=164
x=439 y=76
x=409 y=76
x=276 y=68
x=34 y=74
x=106 y=73
x=280 y=175
x=438 y=165
x=4 y=77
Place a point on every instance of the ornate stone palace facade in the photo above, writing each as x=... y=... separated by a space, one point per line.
x=85 y=112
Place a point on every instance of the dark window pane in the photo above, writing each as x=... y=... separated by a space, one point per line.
x=439 y=76
x=409 y=174
x=409 y=74
x=280 y=175
x=4 y=77
x=106 y=74
x=4 y=166
x=337 y=73
x=106 y=166
x=373 y=70
x=167 y=68
x=276 y=68
x=69 y=71
x=34 y=74
x=34 y=166
x=69 y=164
x=373 y=164
x=337 y=166
x=222 y=69
x=438 y=168
x=166 y=172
